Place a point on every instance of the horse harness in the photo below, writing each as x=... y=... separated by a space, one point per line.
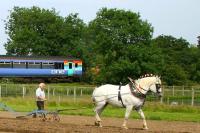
x=120 y=96
x=136 y=92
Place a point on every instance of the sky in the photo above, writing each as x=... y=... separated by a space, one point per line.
x=179 y=18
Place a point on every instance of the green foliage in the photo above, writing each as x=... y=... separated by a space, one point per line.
x=117 y=36
x=113 y=30
x=30 y=31
x=114 y=45
x=72 y=33
x=35 y=31
x=174 y=74
x=180 y=60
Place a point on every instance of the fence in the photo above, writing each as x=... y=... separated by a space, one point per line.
x=59 y=92
x=176 y=95
x=182 y=95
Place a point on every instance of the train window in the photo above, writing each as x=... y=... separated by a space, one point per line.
x=19 y=64
x=31 y=63
x=35 y=65
x=47 y=65
x=59 y=65
x=76 y=65
x=5 y=64
x=70 y=65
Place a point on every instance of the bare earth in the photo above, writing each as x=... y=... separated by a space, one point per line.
x=85 y=124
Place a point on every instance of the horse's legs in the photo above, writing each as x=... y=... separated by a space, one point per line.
x=143 y=118
x=98 y=110
x=127 y=114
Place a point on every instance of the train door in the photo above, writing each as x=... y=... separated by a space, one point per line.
x=69 y=67
x=77 y=67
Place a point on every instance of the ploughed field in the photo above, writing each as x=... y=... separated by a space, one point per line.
x=85 y=124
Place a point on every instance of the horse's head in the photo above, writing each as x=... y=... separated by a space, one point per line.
x=150 y=83
x=156 y=86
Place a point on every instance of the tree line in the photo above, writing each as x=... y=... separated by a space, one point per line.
x=114 y=45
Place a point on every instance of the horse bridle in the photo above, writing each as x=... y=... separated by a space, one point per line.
x=158 y=86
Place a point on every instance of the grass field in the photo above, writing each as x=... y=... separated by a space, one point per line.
x=152 y=110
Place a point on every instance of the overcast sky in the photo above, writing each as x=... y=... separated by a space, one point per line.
x=179 y=18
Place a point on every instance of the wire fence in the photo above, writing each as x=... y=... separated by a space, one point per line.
x=173 y=95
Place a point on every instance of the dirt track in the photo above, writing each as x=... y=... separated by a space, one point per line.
x=84 y=124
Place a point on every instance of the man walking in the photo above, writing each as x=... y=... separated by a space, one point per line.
x=40 y=96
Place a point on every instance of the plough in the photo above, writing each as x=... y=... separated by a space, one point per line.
x=44 y=115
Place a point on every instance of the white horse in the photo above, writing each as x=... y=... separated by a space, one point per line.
x=129 y=96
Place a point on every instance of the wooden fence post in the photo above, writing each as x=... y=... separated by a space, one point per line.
x=183 y=93
x=192 y=101
x=67 y=91
x=23 y=91
x=53 y=91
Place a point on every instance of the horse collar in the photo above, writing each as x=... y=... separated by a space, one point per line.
x=135 y=91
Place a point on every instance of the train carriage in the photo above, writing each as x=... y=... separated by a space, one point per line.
x=12 y=66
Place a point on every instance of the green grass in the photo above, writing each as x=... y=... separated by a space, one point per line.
x=153 y=111
x=173 y=116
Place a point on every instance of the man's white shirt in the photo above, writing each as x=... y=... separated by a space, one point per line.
x=40 y=93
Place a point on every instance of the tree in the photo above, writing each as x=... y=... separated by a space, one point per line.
x=115 y=29
x=35 y=31
x=72 y=36
x=192 y=63
x=118 y=38
x=174 y=75
x=176 y=56
x=31 y=31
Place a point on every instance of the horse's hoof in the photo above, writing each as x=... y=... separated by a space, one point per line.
x=145 y=128
x=98 y=124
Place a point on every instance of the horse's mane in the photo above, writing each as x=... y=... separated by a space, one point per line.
x=143 y=76
x=147 y=75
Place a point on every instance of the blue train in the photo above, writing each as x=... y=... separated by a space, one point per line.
x=12 y=66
